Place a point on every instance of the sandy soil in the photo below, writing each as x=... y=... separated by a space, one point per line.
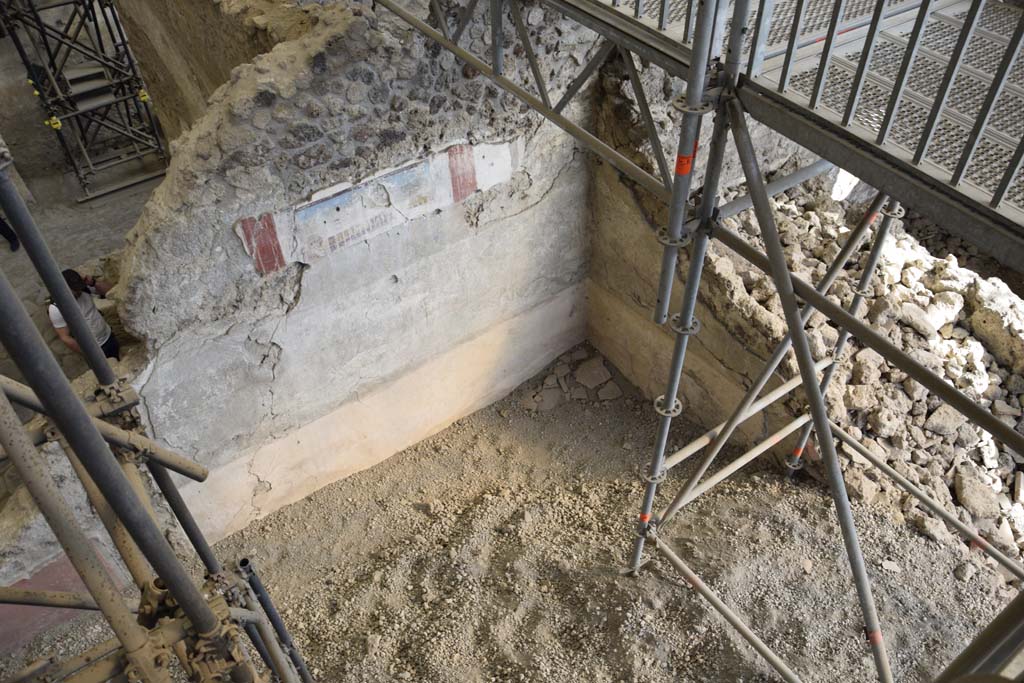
x=492 y=552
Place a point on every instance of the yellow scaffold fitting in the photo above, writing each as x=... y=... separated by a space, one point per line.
x=143 y=96
x=53 y=122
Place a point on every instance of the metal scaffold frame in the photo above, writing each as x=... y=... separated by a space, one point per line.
x=80 y=66
x=724 y=90
x=199 y=626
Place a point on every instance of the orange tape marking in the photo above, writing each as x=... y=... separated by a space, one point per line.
x=684 y=164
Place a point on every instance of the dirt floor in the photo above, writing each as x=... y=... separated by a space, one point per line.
x=76 y=233
x=492 y=552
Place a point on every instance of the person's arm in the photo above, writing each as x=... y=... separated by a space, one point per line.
x=101 y=286
x=65 y=336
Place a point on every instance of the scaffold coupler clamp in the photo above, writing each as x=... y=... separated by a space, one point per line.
x=667 y=240
x=896 y=213
x=674 y=411
x=795 y=461
x=647 y=526
x=676 y=324
x=705 y=107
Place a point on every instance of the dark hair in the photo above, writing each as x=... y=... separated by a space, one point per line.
x=75 y=282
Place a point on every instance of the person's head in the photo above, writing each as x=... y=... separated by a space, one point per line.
x=75 y=282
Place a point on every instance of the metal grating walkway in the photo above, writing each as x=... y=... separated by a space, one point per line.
x=966 y=96
x=971 y=203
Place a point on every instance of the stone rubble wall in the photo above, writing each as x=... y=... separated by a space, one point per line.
x=187 y=49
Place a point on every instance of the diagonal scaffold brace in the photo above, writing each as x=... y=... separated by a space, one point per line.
x=784 y=285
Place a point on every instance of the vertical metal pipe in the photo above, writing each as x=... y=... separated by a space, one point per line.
x=524 y=38
x=688 y=134
x=257 y=643
x=743 y=409
x=33 y=471
x=670 y=405
x=23 y=224
x=784 y=285
x=998 y=81
x=26 y=347
x=265 y=642
x=844 y=335
x=249 y=571
x=184 y=516
x=959 y=52
x=913 y=42
x=442 y=22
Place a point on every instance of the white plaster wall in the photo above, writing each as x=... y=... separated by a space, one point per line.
x=424 y=322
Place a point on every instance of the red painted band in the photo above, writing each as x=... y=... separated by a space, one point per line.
x=645 y=518
x=684 y=164
x=874 y=637
x=798 y=451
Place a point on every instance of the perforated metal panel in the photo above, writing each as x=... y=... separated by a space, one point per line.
x=942 y=30
x=816 y=17
x=964 y=101
x=995 y=17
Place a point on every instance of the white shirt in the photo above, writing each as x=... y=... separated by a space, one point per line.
x=100 y=328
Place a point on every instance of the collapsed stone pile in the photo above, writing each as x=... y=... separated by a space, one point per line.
x=967 y=329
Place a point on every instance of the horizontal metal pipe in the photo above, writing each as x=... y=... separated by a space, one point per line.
x=929 y=503
x=40 y=598
x=778 y=186
x=756 y=407
x=773 y=659
x=742 y=461
x=24 y=396
x=867 y=336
